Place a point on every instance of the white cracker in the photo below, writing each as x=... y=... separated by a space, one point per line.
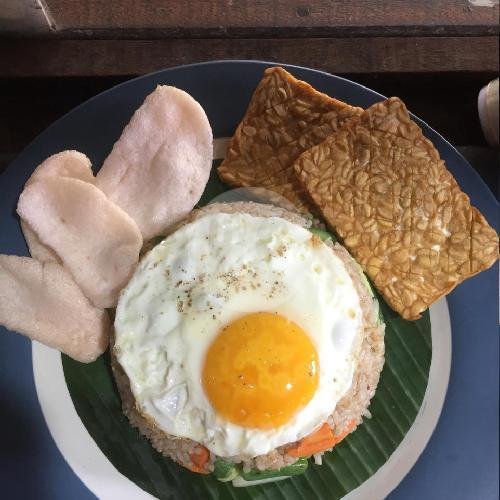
x=68 y=163
x=95 y=240
x=159 y=167
x=39 y=251
x=43 y=302
x=65 y=164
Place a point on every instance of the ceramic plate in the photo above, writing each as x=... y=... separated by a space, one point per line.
x=464 y=444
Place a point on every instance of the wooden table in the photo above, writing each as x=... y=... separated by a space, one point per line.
x=435 y=54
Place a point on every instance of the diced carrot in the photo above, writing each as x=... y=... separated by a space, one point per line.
x=348 y=429
x=195 y=468
x=320 y=440
x=199 y=457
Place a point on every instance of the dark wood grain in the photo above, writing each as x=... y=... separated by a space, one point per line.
x=301 y=18
x=336 y=55
x=447 y=103
x=24 y=17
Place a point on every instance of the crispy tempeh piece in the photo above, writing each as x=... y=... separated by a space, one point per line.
x=285 y=117
x=381 y=185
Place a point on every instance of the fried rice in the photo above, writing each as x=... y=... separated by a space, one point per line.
x=350 y=410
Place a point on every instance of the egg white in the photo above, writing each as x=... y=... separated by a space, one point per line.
x=209 y=273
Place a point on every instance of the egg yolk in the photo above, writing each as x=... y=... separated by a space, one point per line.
x=260 y=370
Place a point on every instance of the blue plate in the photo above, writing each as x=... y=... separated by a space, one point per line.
x=461 y=460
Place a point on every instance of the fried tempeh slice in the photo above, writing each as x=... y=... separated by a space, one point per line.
x=43 y=302
x=285 y=117
x=381 y=185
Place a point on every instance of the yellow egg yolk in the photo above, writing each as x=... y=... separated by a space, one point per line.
x=260 y=370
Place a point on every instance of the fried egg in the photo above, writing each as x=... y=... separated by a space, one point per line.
x=239 y=332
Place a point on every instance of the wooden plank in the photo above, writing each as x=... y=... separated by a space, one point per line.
x=24 y=16
x=336 y=55
x=304 y=18
x=32 y=104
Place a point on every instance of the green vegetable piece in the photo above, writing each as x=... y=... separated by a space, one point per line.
x=381 y=319
x=298 y=467
x=225 y=471
x=369 y=287
x=239 y=482
x=324 y=235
